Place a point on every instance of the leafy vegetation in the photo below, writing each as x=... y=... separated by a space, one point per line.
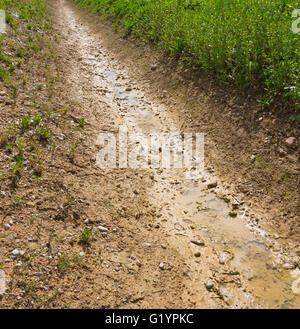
x=66 y=262
x=247 y=43
x=86 y=235
x=22 y=141
x=32 y=13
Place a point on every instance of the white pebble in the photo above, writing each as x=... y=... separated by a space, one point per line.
x=102 y=228
x=162 y=266
x=16 y=252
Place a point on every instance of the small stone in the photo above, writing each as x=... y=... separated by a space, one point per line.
x=212 y=184
x=290 y=141
x=2 y=282
x=102 y=228
x=162 y=266
x=198 y=243
x=81 y=254
x=282 y=152
x=22 y=252
x=209 y=285
x=15 y=252
x=223 y=258
x=61 y=137
x=288 y=266
x=197 y=254
x=235 y=206
x=252 y=158
x=7 y=226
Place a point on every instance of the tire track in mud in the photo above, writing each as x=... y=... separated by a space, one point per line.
x=219 y=261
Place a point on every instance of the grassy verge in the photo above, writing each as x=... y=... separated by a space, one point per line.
x=24 y=131
x=245 y=43
x=25 y=20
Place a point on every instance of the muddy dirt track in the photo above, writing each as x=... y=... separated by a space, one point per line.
x=165 y=241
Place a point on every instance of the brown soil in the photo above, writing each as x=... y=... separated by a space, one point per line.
x=145 y=259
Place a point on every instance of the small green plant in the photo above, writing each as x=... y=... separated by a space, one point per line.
x=43 y=133
x=20 y=53
x=63 y=264
x=86 y=235
x=25 y=123
x=20 y=144
x=82 y=123
x=29 y=287
x=295 y=118
x=4 y=75
x=18 y=166
x=9 y=147
x=36 y=120
x=288 y=194
x=12 y=67
x=19 y=200
x=53 y=79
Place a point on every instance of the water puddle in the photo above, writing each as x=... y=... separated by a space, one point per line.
x=248 y=252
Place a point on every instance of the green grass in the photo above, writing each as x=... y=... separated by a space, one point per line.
x=4 y=74
x=66 y=262
x=43 y=133
x=86 y=235
x=245 y=43
x=32 y=15
x=25 y=123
